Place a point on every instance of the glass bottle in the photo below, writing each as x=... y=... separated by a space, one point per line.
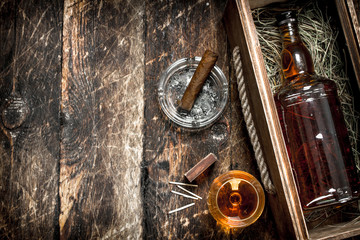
x=313 y=125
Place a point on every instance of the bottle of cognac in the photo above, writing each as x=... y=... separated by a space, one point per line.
x=313 y=125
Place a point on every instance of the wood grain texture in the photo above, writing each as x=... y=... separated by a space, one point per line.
x=85 y=152
x=354 y=16
x=176 y=30
x=120 y=69
x=285 y=204
x=29 y=91
x=353 y=46
x=350 y=231
x=357 y=8
x=101 y=105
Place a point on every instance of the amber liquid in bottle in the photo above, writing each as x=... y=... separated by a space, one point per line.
x=236 y=199
x=313 y=126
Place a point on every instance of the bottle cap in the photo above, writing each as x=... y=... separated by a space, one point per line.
x=286 y=17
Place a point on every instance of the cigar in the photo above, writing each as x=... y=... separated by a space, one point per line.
x=198 y=79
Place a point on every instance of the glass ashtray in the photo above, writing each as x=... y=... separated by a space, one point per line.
x=210 y=102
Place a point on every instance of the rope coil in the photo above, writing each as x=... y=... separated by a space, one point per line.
x=264 y=173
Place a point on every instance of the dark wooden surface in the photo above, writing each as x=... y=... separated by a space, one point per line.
x=85 y=150
x=183 y=29
x=102 y=108
x=29 y=100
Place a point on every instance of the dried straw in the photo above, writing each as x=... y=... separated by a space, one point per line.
x=318 y=217
x=320 y=38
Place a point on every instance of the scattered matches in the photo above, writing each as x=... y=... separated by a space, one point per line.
x=181 y=208
x=189 y=194
x=183 y=184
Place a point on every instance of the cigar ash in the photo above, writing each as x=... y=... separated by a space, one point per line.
x=209 y=103
x=202 y=71
x=206 y=100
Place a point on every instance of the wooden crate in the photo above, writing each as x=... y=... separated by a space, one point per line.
x=285 y=204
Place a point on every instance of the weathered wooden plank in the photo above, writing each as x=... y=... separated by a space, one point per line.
x=7 y=46
x=242 y=158
x=353 y=15
x=77 y=109
x=176 y=30
x=350 y=36
x=88 y=112
x=102 y=106
x=119 y=54
x=30 y=78
x=238 y=18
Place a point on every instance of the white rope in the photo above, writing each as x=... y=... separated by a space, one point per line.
x=264 y=173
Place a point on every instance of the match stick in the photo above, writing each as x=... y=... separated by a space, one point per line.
x=184 y=195
x=183 y=184
x=181 y=208
x=189 y=192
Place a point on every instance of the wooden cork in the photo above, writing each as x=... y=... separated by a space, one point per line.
x=200 y=167
x=202 y=71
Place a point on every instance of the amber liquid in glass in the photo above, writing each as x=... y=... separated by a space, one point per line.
x=236 y=199
x=314 y=128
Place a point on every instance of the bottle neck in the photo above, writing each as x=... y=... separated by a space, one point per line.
x=295 y=57
x=289 y=33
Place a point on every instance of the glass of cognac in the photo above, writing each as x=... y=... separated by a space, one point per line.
x=236 y=199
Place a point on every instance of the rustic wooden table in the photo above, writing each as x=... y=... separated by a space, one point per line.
x=85 y=151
